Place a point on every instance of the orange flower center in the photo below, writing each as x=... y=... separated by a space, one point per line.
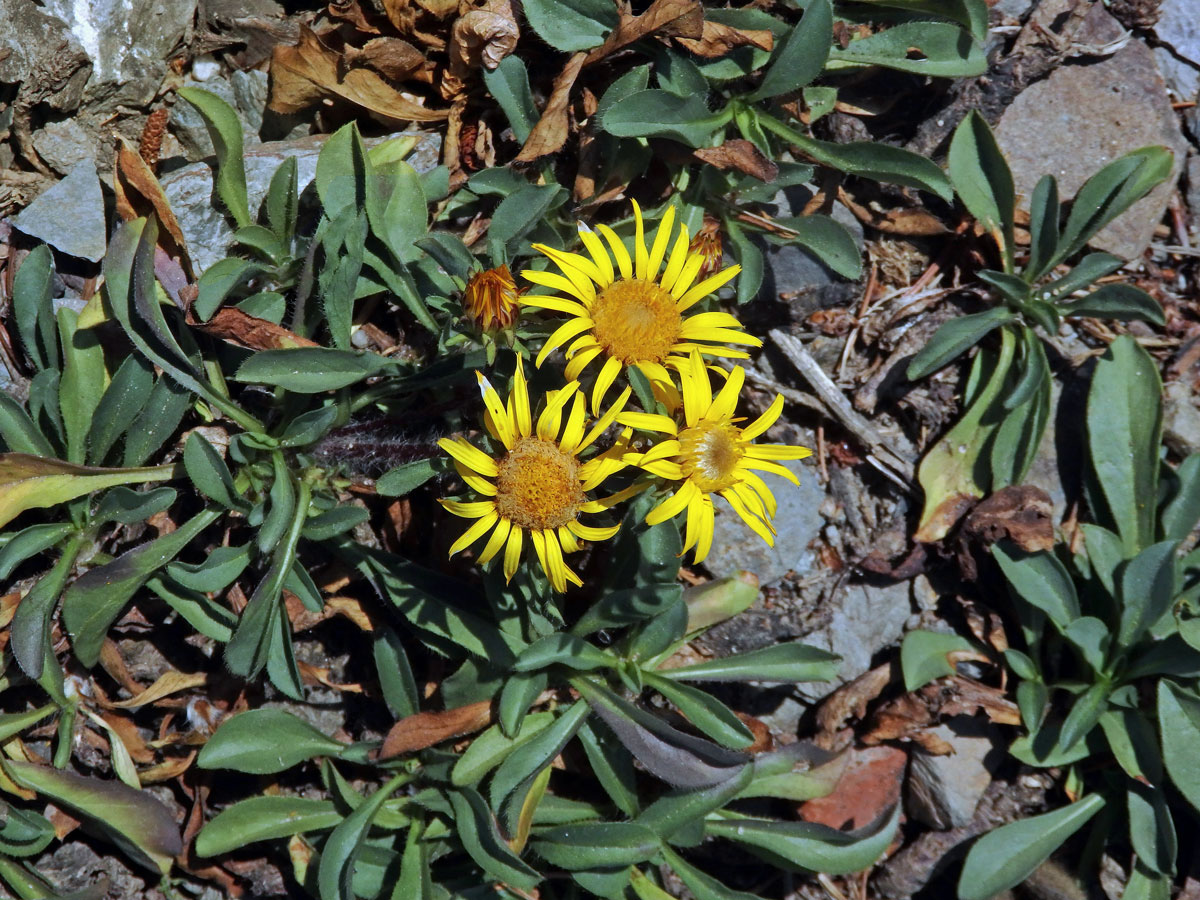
x=538 y=485
x=710 y=455
x=635 y=321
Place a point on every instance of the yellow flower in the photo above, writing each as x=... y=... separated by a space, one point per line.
x=710 y=454
x=490 y=299
x=539 y=486
x=632 y=314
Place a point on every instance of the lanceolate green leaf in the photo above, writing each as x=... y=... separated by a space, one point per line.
x=1179 y=726
x=335 y=873
x=225 y=129
x=983 y=180
x=588 y=845
x=311 y=370
x=802 y=55
x=655 y=113
x=954 y=338
x=264 y=818
x=1117 y=301
x=782 y=662
x=508 y=83
x=945 y=50
x=1004 y=857
x=264 y=741
x=1041 y=581
x=480 y=835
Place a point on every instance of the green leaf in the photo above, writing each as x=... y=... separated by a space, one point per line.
x=1043 y=228
x=829 y=240
x=802 y=55
x=1110 y=192
x=217 y=572
x=341 y=173
x=587 y=845
x=264 y=741
x=612 y=765
x=129 y=507
x=656 y=113
x=1089 y=269
x=18 y=432
x=480 y=835
x=491 y=747
x=678 y=75
x=395 y=674
x=12 y=724
x=702 y=885
x=1084 y=715
x=924 y=656
x=1179 y=727
x=674 y=812
x=1041 y=581
x=208 y=472
x=29 y=542
x=1180 y=514
x=123 y=400
x=1006 y=856
x=397 y=209
x=790 y=662
x=1146 y=589
x=566 y=650
x=136 y=822
x=283 y=202
x=983 y=180
x=1124 y=420
x=944 y=51
x=160 y=417
x=808 y=846
x=24 y=833
x=30 y=637
x=339 y=853
x=1104 y=553
x=1133 y=742
x=1151 y=830
x=636 y=79
x=1091 y=637
x=310 y=370
x=508 y=84
x=218 y=281
x=522 y=210
x=750 y=258
x=263 y=819
x=83 y=381
x=95 y=600
x=406 y=478
x=537 y=752
x=570 y=25
x=704 y=711
x=225 y=130
x=33 y=309
x=972 y=14
x=954 y=338
x=1117 y=301
x=1146 y=885
x=333 y=522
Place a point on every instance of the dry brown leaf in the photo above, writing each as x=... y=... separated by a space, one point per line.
x=425 y=729
x=553 y=128
x=439 y=8
x=139 y=194
x=233 y=325
x=308 y=73
x=113 y=663
x=483 y=37
x=1021 y=513
x=64 y=823
x=739 y=154
x=167 y=769
x=717 y=39
x=393 y=58
x=8 y=607
x=166 y=684
x=350 y=11
x=953 y=695
x=139 y=752
x=908 y=222
x=320 y=675
x=851 y=699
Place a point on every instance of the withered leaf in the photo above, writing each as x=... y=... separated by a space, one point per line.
x=439 y=8
x=1021 y=513
x=393 y=58
x=717 y=39
x=908 y=222
x=139 y=194
x=233 y=325
x=552 y=129
x=741 y=155
x=424 y=729
x=168 y=683
x=308 y=73
x=483 y=37
x=351 y=11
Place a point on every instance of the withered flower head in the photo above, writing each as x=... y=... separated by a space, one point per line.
x=707 y=243
x=491 y=299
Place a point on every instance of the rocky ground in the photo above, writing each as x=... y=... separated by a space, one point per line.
x=1071 y=87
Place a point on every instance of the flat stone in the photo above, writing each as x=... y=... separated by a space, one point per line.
x=1181 y=419
x=868 y=788
x=797 y=519
x=205 y=227
x=1085 y=115
x=865 y=619
x=70 y=215
x=128 y=42
x=1179 y=61
x=44 y=57
x=943 y=791
x=63 y=145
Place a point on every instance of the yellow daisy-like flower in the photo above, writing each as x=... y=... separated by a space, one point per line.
x=539 y=486
x=633 y=314
x=490 y=299
x=709 y=453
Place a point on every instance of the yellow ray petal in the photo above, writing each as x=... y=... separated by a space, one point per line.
x=573 y=433
x=752 y=502
x=674 y=504
x=706 y=287
x=697 y=392
x=570 y=543
x=606 y=503
x=512 y=552
x=555 y=576
x=765 y=421
x=648 y=422
x=707 y=350
x=473 y=533
x=469 y=455
x=608 y=418
x=749 y=462
x=760 y=487
x=561 y=335
x=477 y=483
x=708 y=320
x=726 y=400
x=756 y=524
x=554 y=556
x=496 y=541
x=608 y=374
x=659 y=249
x=661 y=450
x=663 y=468
x=497 y=420
x=620 y=254
x=582 y=271
x=518 y=401
x=469 y=510
x=580 y=361
x=551 y=417
x=592 y=532
x=599 y=256
x=725 y=336
x=677 y=258
x=704 y=531
x=547 y=301
x=640 y=256
x=687 y=275
x=777 y=451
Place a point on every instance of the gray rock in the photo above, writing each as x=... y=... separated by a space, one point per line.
x=128 y=42
x=798 y=520
x=1012 y=9
x=1082 y=117
x=798 y=274
x=205 y=228
x=250 y=89
x=1179 y=61
x=943 y=791
x=866 y=618
x=70 y=215
x=1181 y=419
x=63 y=145
x=44 y=57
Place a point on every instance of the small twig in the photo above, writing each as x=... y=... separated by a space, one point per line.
x=882 y=456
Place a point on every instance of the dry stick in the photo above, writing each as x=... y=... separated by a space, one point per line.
x=881 y=455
